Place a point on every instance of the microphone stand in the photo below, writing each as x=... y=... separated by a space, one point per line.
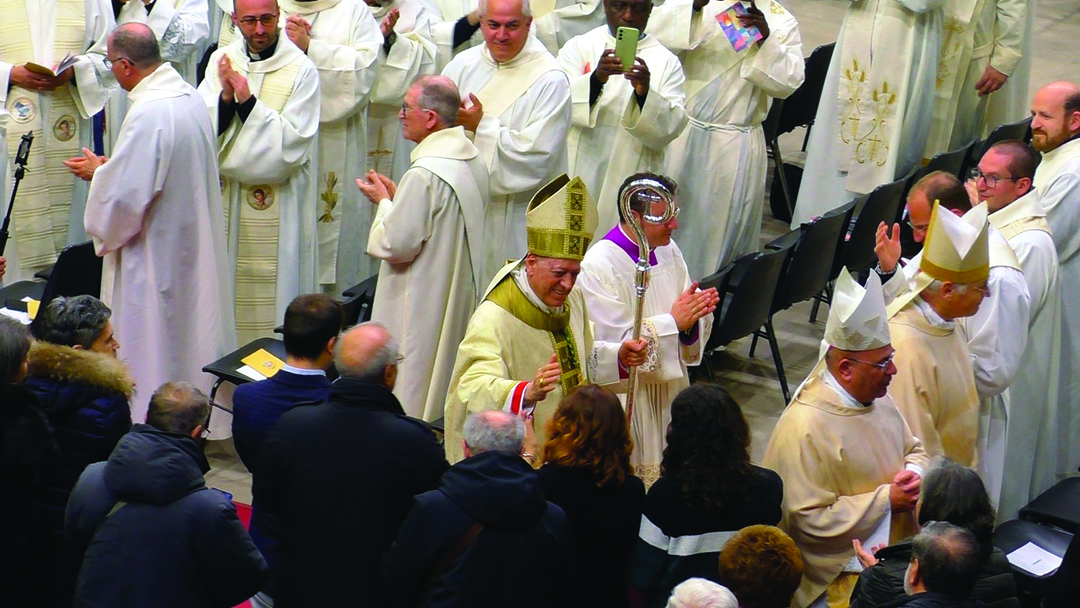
x=21 y=158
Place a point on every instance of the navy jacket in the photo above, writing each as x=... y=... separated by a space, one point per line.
x=257 y=406
x=175 y=543
x=335 y=480
x=524 y=557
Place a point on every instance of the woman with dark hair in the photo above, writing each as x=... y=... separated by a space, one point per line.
x=707 y=490
x=587 y=473
x=950 y=493
x=28 y=459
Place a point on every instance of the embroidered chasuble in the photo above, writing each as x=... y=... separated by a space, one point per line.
x=267 y=182
x=507 y=340
x=837 y=463
x=59 y=121
x=975 y=34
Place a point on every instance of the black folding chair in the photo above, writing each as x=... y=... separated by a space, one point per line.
x=1060 y=586
x=77 y=272
x=951 y=162
x=747 y=288
x=1020 y=129
x=842 y=214
x=881 y=205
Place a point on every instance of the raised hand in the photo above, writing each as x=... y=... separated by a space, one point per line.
x=756 y=18
x=299 y=31
x=692 y=305
x=547 y=378
x=887 y=247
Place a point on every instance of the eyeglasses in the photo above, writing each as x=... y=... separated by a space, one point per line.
x=639 y=8
x=267 y=20
x=884 y=365
x=109 y=62
x=405 y=109
x=991 y=180
x=985 y=290
x=914 y=227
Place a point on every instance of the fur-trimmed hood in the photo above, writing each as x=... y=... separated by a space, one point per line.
x=70 y=365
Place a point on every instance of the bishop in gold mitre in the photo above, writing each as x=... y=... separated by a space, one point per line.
x=529 y=338
x=850 y=464
x=935 y=386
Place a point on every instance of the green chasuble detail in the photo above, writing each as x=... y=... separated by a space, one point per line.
x=507 y=295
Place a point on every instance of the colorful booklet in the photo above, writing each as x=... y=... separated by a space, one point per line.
x=740 y=37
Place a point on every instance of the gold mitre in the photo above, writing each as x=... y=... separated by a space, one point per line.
x=561 y=219
x=857 y=317
x=957 y=248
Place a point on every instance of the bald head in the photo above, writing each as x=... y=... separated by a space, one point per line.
x=367 y=352
x=1055 y=115
x=136 y=43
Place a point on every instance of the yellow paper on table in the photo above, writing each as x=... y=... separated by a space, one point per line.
x=263 y=362
x=32 y=308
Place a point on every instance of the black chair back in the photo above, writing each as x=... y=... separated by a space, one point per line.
x=747 y=295
x=358 y=301
x=809 y=267
x=801 y=106
x=77 y=273
x=1020 y=129
x=951 y=162
x=881 y=205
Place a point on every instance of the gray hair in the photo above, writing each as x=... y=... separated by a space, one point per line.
x=178 y=407
x=440 y=95
x=526 y=8
x=949 y=558
x=137 y=43
x=936 y=285
x=494 y=431
x=701 y=593
x=14 y=346
x=74 y=321
x=372 y=368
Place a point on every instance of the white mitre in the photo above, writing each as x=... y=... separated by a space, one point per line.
x=857 y=317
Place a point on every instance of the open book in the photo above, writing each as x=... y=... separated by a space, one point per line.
x=68 y=61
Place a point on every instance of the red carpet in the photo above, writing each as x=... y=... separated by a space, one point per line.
x=244 y=513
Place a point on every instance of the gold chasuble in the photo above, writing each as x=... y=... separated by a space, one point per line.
x=40 y=218
x=259 y=222
x=513 y=334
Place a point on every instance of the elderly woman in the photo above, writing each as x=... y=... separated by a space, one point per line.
x=28 y=458
x=587 y=472
x=707 y=490
x=951 y=493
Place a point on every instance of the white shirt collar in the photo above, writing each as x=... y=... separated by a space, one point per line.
x=299 y=371
x=523 y=284
x=845 y=397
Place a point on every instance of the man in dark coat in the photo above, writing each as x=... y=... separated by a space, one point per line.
x=486 y=537
x=336 y=479
x=945 y=562
x=153 y=533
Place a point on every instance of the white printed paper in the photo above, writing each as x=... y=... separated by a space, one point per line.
x=1034 y=559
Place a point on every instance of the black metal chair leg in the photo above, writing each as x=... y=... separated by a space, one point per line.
x=777 y=361
x=779 y=160
x=753 y=344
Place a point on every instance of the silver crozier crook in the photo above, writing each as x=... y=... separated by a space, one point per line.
x=650 y=191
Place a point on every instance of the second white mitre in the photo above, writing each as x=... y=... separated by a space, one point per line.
x=857 y=317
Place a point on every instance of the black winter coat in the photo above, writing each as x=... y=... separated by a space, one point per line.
x=174 y=544
x=524 y=557
x=883 y=583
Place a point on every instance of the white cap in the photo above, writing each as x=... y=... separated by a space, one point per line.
x=857 y=317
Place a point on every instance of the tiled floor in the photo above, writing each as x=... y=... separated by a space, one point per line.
x=753 y=382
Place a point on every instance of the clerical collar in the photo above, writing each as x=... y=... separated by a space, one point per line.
x=931 y=315
x=624 y=242
x=845 y=397
x=522 y=281
x=262 y=55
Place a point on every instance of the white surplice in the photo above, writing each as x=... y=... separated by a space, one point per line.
x=154 y=212
x=524 y=144
x=90 y=90
x=443 y=32
x=413 y=54
x=1012 y=102
x=1026 y=447
x=1057 y=183
x=876 y=106
x=607 y=280
x=429 y=240
x=720 y=159
x=566 y=20
x=977 y=33
x=615 y=138
x=344 y=47
x=276 y=150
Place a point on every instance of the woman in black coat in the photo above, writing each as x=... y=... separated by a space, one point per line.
x=29 y=459
x=587 y=473
x=951 y=493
